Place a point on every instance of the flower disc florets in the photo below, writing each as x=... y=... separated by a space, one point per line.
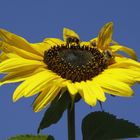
x=74 y=62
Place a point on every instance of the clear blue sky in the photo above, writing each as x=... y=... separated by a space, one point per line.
x=38 y=19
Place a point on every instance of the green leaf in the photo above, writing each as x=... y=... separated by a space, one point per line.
x=105 y=126
x=32 y=137
x=55 y=111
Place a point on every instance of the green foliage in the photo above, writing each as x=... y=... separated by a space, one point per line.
x=32 y=137
x=105 y=126
x=55 y=111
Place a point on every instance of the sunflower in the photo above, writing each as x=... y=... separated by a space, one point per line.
x=51 y=67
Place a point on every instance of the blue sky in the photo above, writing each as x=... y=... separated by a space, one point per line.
x=38 y=19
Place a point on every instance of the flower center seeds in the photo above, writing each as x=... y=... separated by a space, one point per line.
x=75 y=63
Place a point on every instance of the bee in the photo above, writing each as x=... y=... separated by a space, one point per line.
x=108 y=56
x=94 y=44
x=72 y=41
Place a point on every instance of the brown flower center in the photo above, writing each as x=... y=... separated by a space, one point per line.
x=75 y=63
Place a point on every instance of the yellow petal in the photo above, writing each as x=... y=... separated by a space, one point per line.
x=45 y=97
x=19 y=92
x=127 y=50
x=59 y=81
x=135 y=68
x=122 y=75
x=19 y=76
x=69 y=33
x=72 y=88
x=3 y=57
x=41 y=47
x=121 y=71
x=18 y=64
x=86 y=93
x=12 y=55
x=44 y=79
x=33 y=84
x=84 y=43
x=25 y=54
x=105 y=36
x=16 y=41
x=124 y=63
x=110 y=84
x=97 y=90
x=50 y=42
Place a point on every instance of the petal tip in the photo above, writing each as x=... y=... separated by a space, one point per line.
x=109 y=25
x=14 y=99
x=132 y=93
x=105 y=36
x=103 y=99
x=36 y=109
x=65 y=29
x=69 y=33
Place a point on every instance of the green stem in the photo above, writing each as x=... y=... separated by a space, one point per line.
x=71 y=122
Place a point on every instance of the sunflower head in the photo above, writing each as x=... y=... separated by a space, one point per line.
x=51 y=67
x=78 y=61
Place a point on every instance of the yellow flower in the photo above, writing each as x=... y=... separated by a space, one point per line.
x=53 y=66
